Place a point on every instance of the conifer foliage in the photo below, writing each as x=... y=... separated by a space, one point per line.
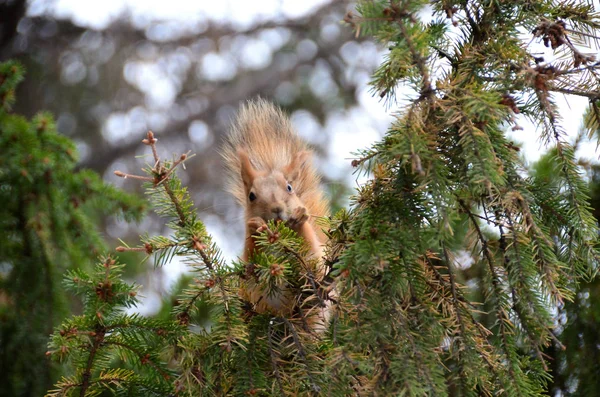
x=240 y=352
x=91 y=341
x=445 y=275
x=47 y=210
x=446 y=163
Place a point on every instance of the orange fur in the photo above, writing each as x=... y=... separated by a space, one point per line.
x=263 y=155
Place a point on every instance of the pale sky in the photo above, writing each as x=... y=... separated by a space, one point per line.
x=360 y=127
x=187 y=13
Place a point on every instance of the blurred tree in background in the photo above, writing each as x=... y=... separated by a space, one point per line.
x=48 y=221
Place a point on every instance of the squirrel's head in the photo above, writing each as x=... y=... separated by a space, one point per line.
x=270 y=194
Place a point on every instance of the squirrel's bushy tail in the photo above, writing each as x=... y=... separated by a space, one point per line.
x=267 y=136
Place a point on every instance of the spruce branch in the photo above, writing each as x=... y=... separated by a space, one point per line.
x=143 y=357
x=460 y=306
x=419 y=60
x=274 y=358
x=422 y=368
x=317 y=288
x=517 y=303
x=502 y=318
x=302 y=354
x=87 y=372
x=88 y=339
x=586 y=223
x=161 y=176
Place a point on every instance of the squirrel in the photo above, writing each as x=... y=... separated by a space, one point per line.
x=269 y=172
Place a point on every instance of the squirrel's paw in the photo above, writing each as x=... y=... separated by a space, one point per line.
x=297 y=218
x=256 y=225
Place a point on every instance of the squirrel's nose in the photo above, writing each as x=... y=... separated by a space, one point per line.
x=277 y=211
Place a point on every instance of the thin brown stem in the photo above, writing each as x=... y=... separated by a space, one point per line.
x=87 y=372
x=176 y=204
x=174 y=166
x=419 y=60
x=151 y=141
x=125 y=175
x=593 y=95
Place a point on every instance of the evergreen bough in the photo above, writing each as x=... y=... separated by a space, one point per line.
x=48 y=212
x=450 y=265
x=92 y=341
x=445 y=164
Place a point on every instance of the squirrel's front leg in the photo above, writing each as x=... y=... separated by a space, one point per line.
x=253 y=227
x=297 y=219
x=298 y=223
x=254 y=224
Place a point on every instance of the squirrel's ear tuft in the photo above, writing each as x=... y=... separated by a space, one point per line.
x=293 y=169
x=247 y=171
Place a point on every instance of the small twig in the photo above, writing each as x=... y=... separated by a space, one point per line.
x=557 y=341
x=151 y=141
x=181 y=159
x=157 y=169
x=590 y=67
x=130 y=249
x=87 y=373
x=590 y=95
x=487 y=219
x=131 y=176
x=357 y=162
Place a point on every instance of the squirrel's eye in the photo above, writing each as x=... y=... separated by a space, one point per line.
x=289 y=187
x=252 y=196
